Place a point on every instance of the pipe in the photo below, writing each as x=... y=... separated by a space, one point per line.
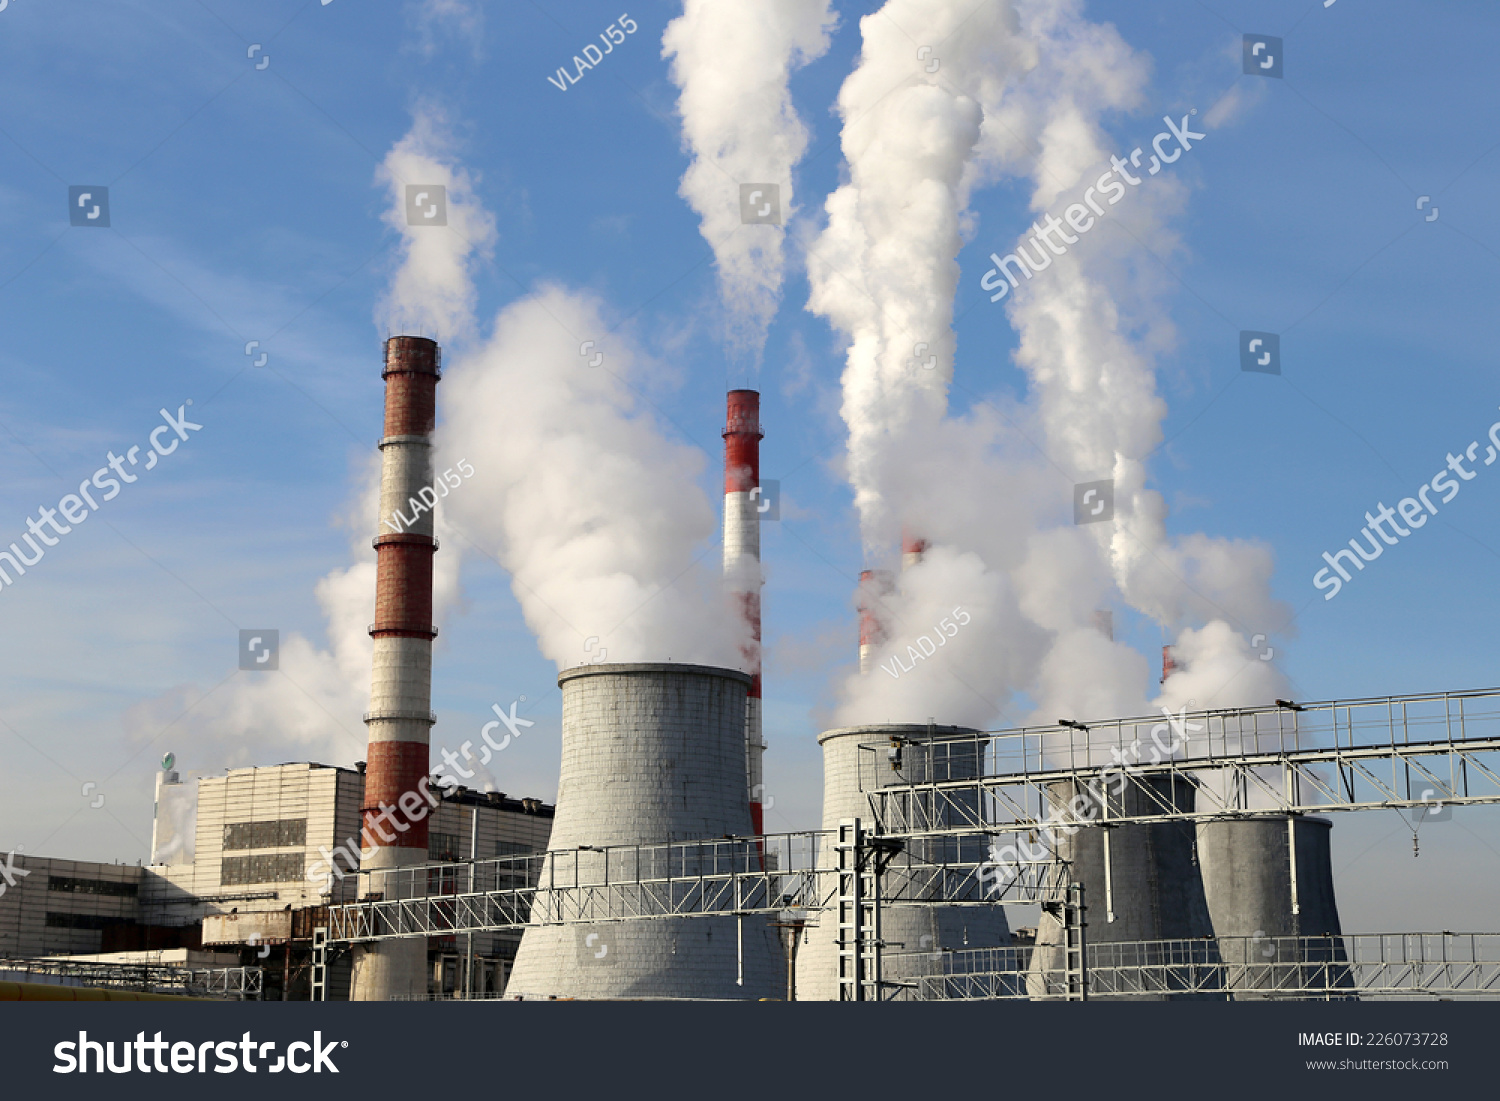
x=1109 y=882
x=473 y=856
x=1291 y=850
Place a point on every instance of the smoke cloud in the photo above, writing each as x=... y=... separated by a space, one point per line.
x=576 y=491
x=601 y=521
x=1020 y=91
x=432 y=291
x=310 y=709
x=732 y=63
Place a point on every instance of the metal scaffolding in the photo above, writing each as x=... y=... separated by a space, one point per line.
x=677 y=879
x=1421 y=751
x=1361 y=965
x=237 y=983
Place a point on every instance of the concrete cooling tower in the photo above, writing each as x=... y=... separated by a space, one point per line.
x=1248 y=883
x=650 y=753
x=1141 y=882
x=916 y=934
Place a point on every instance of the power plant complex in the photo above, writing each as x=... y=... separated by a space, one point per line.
x=951 y=863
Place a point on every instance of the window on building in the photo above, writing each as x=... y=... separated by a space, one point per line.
x=443 y=846
x=92 y=886
x=279 y=834
x=82 y=921
x=279 y=868
x=514 y=848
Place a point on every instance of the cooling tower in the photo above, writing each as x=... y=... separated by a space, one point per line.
x=400 y=716
x=915 y=934
x=1247 y=880
x=1149 y=889
x=743 y=506
x=650 y=753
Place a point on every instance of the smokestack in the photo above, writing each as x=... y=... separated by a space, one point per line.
x=912 y=548
x=1104 y=623
x=1168 y=664
x=742 y=509
x=874 y=587
x=400 y=716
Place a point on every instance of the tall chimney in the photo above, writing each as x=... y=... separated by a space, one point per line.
x=1168 y=663
x=742 y=508
x=400 y=717
x=874 y=587
x=913 y=547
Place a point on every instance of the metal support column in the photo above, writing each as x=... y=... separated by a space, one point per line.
x=473 y=858
x=320 y=964
x=1069 y=911
x=1076 y=944
x=851 y=912
x=862 y=860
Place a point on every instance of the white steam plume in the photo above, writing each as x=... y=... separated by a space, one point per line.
x=1093 y=382
x=732 y=63
x=1020 y=90
x=884 y=272
x=432 y=291
x=599 y=518
x=885 y=269
x=311 y=707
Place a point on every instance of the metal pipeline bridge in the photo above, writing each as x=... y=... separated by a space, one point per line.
x=939 y=806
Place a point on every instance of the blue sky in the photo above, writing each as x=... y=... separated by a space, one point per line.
x=244 y=207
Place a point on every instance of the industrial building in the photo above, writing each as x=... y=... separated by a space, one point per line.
x=274 y=846
x=271 y=849
x=69 y=907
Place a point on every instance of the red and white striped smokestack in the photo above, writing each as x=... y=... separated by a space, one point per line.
x=913 y=546
x=874 y=587
x=742 y=508
x=1168 y=663
x=400 y=717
